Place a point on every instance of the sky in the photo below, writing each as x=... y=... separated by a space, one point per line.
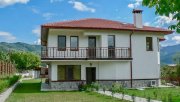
x=20 y=20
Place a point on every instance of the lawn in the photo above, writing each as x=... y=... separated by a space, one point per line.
x=29 y=91
x=161 y=93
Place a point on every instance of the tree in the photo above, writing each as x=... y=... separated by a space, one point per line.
x=25 y=60
x=4 y=56
x=166 y=7
x=176 y=58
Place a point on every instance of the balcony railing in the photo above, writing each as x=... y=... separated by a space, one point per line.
x=84 y=53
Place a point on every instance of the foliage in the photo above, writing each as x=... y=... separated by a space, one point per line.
x=7 y=82
x=4 y=56
x=116 y=88
x=166 y=7
x=25 y=60
x=163 y=94
x=95 y=85
x=133 y=97
x=176 y=58
x=178 y=70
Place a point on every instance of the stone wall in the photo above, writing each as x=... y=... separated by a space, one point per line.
x=65 y=85
x=127 y=83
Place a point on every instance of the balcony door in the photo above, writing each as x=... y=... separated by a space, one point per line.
x=111 y=46
x=92 y=47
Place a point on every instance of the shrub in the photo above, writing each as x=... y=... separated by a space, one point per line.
x=133 y=97
x=7 y=82
x=95 y=85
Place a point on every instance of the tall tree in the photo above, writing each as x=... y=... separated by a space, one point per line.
x=166 y=7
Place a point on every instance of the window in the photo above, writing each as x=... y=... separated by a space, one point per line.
x=74 y=43
x=62 y=43
x=149 y=44
x=69 y=72
x=111 y=41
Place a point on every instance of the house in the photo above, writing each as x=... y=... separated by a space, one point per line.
x=103 y=51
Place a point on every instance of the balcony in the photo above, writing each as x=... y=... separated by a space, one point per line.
x=84 y=53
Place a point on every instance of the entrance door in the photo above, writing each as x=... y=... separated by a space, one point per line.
x=92 y=47
x=90 y=75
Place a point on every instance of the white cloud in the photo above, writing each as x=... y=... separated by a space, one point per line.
x=53 y=1
x=37 y=42
x=37 y=31
x=164 y=21
x=81 y=7
x=136 y=4
x=34 y=10
x=177 y=39
x=48 y=15
x=4 y=3
x=6 y=36
x=147 y=23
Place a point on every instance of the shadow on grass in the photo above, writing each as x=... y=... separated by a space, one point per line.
x=28 y=88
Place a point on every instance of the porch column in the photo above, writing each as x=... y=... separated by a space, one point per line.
x=54 y=72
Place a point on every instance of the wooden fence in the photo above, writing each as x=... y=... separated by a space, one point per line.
x=6 y=69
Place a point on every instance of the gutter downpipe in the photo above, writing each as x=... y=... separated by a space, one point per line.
x=130 y=42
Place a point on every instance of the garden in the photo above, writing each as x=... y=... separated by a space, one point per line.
x=29 y=91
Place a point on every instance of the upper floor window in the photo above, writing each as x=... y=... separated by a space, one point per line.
x=149 y=44
x=74 y=42
x=61 y=43
x=111 y=41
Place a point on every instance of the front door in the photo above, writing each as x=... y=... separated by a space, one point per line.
x=90 y=75
x=92 y=47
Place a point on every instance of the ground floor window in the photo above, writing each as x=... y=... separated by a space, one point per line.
x=69 y=72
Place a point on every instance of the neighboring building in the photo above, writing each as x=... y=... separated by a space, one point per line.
x=100 y=50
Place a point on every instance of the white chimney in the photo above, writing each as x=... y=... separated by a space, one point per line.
x=138 y=18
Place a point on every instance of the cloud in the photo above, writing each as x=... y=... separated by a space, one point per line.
x=177 y=39
x=48 y=15
x=164 y=21
x=4 y=3
x=81 y=7
x=172 y=39
x=147 y=23
x=136 y=4
x=34 y=10
x=37 y=42
x=37 y=31
x=6 y=36
x=53 y=1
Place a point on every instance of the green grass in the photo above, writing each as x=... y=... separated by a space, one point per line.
x=162 y=93
x=29 y=91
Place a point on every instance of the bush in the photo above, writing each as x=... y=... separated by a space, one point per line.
x=7 y=82
x=96 y=86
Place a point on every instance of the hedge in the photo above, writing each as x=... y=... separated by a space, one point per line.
x=7 y=82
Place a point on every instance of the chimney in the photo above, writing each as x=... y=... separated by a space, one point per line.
x=137 y=18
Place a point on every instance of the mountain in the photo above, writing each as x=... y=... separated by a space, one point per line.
x=168 y=52
x=20 y=47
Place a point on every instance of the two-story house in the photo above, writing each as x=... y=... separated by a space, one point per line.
x=103 y=51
